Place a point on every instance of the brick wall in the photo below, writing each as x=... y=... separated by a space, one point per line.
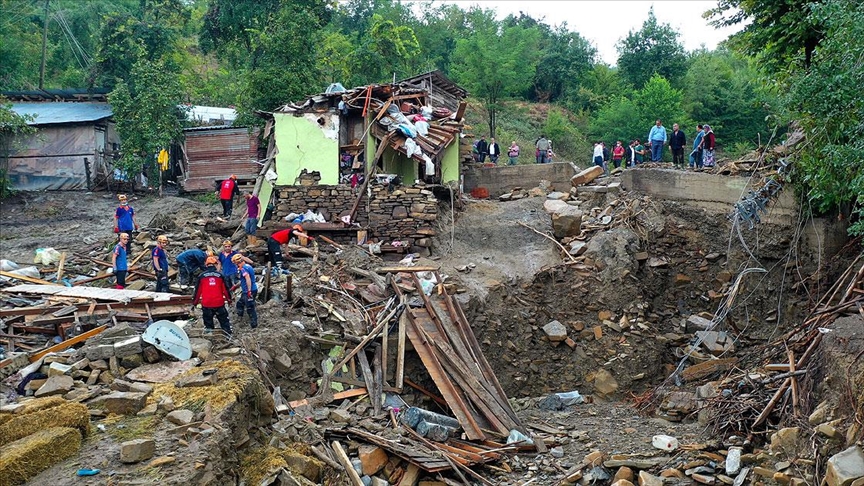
x=407 y=213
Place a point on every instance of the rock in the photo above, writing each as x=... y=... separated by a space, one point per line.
x=102 y=351
x=161 y=461
x=151 y=354
x=94 y=375
x=703 y=479
x=655 y=262
x=820 y=415
x=828 y=430
x=339 y=416
x=80 y=365
x=577 y=247
x=282 y=363
x=308 y=467
x=106 y=377
x=624 y=473
x=132 y=361
x=128 y=347
x=56 y=385
x=99 y=365
x=682 y=279
x=695 y=323
x=605 y=315
x=558 y=196
x=198 y=379
x=166 y=404
x=148 y=410
x=604 y=383
x=733 y=461
x=586 y=176
x=57 y=369
x=647 y=479
x=594 y=458
x=161 y=372
x=114 y=366
x=200 y=345
x=137 y=450
x=552 y=206
x=555 y=331
x=372 y=459
x=557 y=452
x=672 y=473
x=785 y=442
x=845 y=467
x=181 y=417
x=120 y=403
x=635 y=462
x=622 y=482
x=567 y=222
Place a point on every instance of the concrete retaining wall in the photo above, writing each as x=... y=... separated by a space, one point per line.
x=503 y=178
x=718 y=194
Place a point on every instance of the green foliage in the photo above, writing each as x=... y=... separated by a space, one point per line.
x=653 y=49
x=632 y=117
x=723 y=89
x=829 y=104
x=565 y=57
x=567 y=139
x=778 y=32
x=12 y=125
x=145 y=109
x=496 y=64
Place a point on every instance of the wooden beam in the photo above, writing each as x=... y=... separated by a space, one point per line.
x=67 y=343
x=60 y=266
x=336 y=396
x=398 y=269
x=25 y=278
x=342 y=457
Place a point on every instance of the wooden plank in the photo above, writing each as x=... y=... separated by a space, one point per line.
x=366 y=370
x=398 y=269
x=342 y=457
x=399 y=379
x=60 y=266
x=336 y=396
x=67 y=343
x=25 y=278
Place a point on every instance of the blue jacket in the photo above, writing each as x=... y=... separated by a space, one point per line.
x=193 y=257
x=247 y=269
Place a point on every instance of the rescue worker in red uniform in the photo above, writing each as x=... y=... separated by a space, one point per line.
x=212 y=293
x=227 y=190
x=275 y=242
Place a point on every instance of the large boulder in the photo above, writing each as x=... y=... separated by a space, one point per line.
x=567 y=221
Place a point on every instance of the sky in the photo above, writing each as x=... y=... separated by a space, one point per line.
x=604 y=23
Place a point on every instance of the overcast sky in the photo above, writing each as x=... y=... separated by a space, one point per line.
x=605 y=22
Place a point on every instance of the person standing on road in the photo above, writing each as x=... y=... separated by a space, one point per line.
x=696 y=154
x=160 y=263
x=709 y=143
x=249 y=291
x=227 y=190
x=119 y=262
x=657 y=139
x=677 y=141
x=542 y=145
x=124 y=216
x=598 y=155
x=253 y=209
x=617 y=154
x=188 y=262
x=494 y=151
x=212 y=293
x=513 y=154
x=279 y=238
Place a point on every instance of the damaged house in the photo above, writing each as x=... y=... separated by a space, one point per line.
x=396 y=143
x=74 y=144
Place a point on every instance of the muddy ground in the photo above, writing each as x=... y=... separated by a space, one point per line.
x=624 y=311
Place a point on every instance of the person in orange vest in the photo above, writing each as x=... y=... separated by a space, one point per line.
x=227 y=190
x=212 y=293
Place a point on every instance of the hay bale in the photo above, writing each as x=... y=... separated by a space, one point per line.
x=33 y=405
x=25 y=458
x=70 y=414
x=233 y=379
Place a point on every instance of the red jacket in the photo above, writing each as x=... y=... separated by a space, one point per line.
x=227 y=189
x=282 y=236
x=211 y=290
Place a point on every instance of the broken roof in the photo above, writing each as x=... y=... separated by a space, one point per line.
x=438 y=78
x=52 y=113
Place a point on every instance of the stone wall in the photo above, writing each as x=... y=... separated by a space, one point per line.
x=407 y=213
x=504 y=178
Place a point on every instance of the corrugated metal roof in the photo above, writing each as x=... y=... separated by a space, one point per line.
x=49 y=113
x=215 y=155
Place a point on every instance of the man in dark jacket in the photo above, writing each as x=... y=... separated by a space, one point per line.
x=212 y=293
x=482 y=149
x=677 y=141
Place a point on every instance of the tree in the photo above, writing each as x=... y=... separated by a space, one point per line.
x=629 y=118
x=565 y=59
x=146 y=112
x=653 y=49
x=828 y=103
x=494 y=64
x=777 y=32
x=599 y=86
x=723 y=89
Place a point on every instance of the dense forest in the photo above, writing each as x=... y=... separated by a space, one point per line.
x=795 y=61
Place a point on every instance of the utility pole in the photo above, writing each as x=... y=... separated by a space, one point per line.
x=44 y=47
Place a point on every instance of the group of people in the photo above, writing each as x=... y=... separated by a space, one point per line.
x=220 y=274
x=483 y=149
x=635 y=153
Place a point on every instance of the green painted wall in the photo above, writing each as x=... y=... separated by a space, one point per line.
x=303 y=144
x=450 y=163
x=397 y=163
